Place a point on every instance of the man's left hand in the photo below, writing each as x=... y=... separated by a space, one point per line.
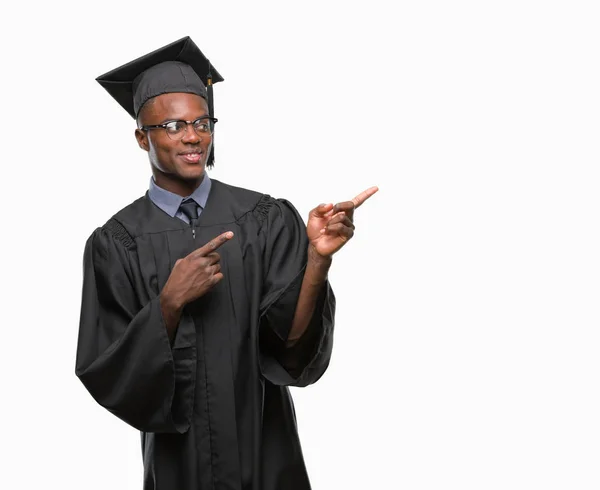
x=331 y=226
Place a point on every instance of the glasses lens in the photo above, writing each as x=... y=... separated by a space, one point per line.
x=175 y=129
x=202 y=126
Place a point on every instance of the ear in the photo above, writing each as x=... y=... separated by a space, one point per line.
x=142 y=139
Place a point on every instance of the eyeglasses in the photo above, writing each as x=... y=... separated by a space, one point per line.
x=177 y=129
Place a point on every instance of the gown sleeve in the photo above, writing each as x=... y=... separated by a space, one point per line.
x=124 y=357
x=285 y=258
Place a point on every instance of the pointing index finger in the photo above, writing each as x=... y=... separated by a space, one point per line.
x=363 y=196
x=214 y=244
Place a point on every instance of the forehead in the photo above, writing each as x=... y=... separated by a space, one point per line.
x=176 y=106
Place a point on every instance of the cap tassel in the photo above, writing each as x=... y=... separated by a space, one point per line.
x=211 y=113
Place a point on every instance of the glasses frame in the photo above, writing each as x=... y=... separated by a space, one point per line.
x=212 y=121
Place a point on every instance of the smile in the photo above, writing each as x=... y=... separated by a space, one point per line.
x=192 y=157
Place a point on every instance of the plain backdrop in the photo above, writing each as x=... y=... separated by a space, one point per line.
x=467 y=333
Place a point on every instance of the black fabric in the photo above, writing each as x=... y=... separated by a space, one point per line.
x=214 y=408
x=128 y=83
x=164 y=78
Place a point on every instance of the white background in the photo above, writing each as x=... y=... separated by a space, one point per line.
x=467 y=344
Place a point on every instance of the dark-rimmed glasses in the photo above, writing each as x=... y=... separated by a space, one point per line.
x=176 y=129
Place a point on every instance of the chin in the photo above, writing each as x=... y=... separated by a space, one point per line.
x=192 y=173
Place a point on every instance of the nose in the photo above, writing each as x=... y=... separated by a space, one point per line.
x=190 y=135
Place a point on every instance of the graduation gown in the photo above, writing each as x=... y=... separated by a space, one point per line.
x=214 y=408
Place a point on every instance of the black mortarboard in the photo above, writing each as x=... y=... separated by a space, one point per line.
x=177 y=67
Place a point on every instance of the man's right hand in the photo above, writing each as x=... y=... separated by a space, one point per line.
x=191 y=277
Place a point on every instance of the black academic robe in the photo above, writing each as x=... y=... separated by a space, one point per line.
x=214 y=409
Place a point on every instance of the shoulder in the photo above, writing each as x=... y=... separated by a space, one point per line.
x=241 y=200
x=132 y=214
x=263 y=207
x=121 y=227
x=240 y=194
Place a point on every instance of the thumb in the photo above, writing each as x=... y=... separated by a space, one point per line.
x=321 y=210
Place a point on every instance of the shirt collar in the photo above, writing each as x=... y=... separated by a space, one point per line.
x=170 y=202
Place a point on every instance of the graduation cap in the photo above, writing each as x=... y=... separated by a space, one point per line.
x=176 y=67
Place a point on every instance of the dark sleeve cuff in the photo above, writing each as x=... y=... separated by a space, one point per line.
x=306 y=360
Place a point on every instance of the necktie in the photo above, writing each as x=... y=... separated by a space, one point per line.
x=190 y=209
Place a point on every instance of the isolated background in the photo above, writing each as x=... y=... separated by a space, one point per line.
x=467 y=328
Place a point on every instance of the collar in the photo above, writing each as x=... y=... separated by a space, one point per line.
x=170 y=202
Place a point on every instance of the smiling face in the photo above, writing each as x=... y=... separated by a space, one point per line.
x=178 y=165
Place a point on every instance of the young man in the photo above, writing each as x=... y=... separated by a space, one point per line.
x=203 y=302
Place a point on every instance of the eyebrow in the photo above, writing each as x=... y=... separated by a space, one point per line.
x=174 y=119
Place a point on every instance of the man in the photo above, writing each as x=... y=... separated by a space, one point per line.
x=192 y=346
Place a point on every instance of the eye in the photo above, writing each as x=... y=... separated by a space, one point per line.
x=175 y=127
x=201 y=126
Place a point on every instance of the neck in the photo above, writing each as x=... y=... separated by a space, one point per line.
x=182 y=188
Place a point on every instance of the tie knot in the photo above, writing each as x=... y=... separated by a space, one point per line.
x=190 y=209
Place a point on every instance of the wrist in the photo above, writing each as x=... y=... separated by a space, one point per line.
x=317 y=262
x=169 y=304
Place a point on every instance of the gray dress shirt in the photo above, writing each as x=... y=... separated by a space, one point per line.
x=169 y=202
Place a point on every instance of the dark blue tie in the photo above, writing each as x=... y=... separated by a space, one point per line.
x=190 y=209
